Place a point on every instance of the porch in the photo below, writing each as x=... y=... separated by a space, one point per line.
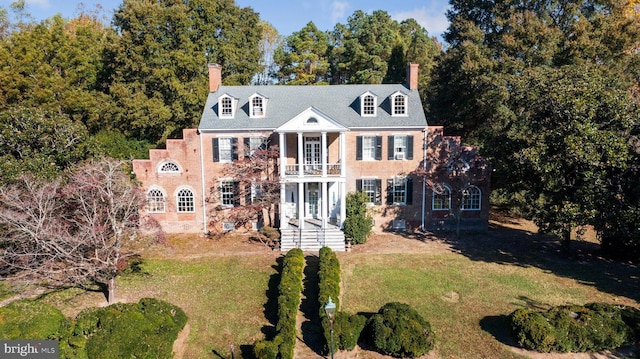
x=311 y=236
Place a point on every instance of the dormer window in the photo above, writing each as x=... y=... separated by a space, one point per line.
x=257 y=106
x=398 y=104
x=227 y=106
x=368 y=105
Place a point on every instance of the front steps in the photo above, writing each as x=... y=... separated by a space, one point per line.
x=312 y=239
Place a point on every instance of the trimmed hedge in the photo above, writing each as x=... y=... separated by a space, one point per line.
x=346 y=327
x=400 y=331
x=289 y=293
x=30 y=319
x=573 y=328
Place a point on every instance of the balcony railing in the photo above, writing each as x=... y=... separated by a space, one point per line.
x=312 y=170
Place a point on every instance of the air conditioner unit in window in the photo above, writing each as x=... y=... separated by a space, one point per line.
x=228 y=226
x=400 y=156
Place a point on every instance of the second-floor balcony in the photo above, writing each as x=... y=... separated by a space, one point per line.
x=312 y=170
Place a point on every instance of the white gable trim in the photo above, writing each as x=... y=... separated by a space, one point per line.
x=311 y=120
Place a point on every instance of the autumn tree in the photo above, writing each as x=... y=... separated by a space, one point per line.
x=64 y=233
x=270 y=41
x=255 y=186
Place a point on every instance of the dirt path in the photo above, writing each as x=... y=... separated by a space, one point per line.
x=310 y=343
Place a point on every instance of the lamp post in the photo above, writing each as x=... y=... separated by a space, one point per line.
x=330 y=311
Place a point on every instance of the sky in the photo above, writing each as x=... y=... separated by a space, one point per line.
x=287 y=16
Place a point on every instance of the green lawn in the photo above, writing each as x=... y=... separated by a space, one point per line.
x=466 y=295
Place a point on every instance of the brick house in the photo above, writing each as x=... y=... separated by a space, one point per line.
x=332 y=139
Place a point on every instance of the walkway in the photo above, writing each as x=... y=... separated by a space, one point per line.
x=310 y=343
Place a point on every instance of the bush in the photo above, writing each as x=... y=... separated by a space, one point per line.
x=347 y=329
x=289 y=292
x=400 y=331
x=29 y=319
x=357 y=224
x=146 y=329
x=588 y=328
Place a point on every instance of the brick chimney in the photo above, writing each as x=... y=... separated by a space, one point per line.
x=412 y=76
x=215 y=77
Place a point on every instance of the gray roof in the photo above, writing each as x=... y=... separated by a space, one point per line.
x=340 y=102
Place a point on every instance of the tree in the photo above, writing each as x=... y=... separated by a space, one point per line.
x=271 y=40
x=454 y=168
x=71 y=233
x=358 y=223
x=256 y=186
x=39 y=142
x=570 y=143
x=302 y=59
x=157 y=68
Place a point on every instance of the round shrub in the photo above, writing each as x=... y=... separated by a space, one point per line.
x=29 y=319
x=400 y=331
x=588 y=328
x=347 y=329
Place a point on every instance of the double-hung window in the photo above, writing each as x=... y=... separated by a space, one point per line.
x=398 y=104
x=368 y=148
x=400 y=147
x=399 y=190
x=228 y=193
x=155 y=201
x=225 y=149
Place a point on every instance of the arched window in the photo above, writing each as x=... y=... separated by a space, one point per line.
x=186 y=202
x=441 y=198
x=398 y=105
x=368 y=105
x=155 y=201
x=169 y=167
x=471 y=198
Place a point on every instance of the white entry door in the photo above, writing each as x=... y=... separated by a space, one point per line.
x=312 y=154
x=313 y=200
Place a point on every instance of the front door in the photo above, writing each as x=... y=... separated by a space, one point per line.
x=313 y=200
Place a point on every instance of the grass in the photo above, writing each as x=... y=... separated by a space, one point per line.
x=465 y=295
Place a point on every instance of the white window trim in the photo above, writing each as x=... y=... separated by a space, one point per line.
x=479 y=194
x=404 y=180
x=193 y=197
x=405 y=144
x=164 y=199
x=374 y=144
x=234 y=105
x=162 y=164
x=220 y=157
x=433 y=200
x=374 y=179
x=362 y=105
x=393 y=105
x=233 y=182
x=251 y=106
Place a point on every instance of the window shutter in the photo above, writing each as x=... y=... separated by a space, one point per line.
x=409 y=189
x=409 y=147
x=234 y=149
x=247 y=147
x=236 y=193
x=391 y=148
x=379 y=191
x=216 y=151
x=247 y=195
x=359 y=148
x=358 y=185
x=378 y=148
x=390 y=191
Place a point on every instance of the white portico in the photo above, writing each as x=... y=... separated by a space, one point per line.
x=312 y=176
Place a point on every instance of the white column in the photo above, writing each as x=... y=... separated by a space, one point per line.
x=343 y=160
x=343 y=202
x=324 y=207
x=300 y=155
x=323 y=154
x=301 y=213
x=284 y=220
x=283 y=155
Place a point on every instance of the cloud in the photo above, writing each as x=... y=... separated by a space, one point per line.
x=433 y=19
x=338 y=10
